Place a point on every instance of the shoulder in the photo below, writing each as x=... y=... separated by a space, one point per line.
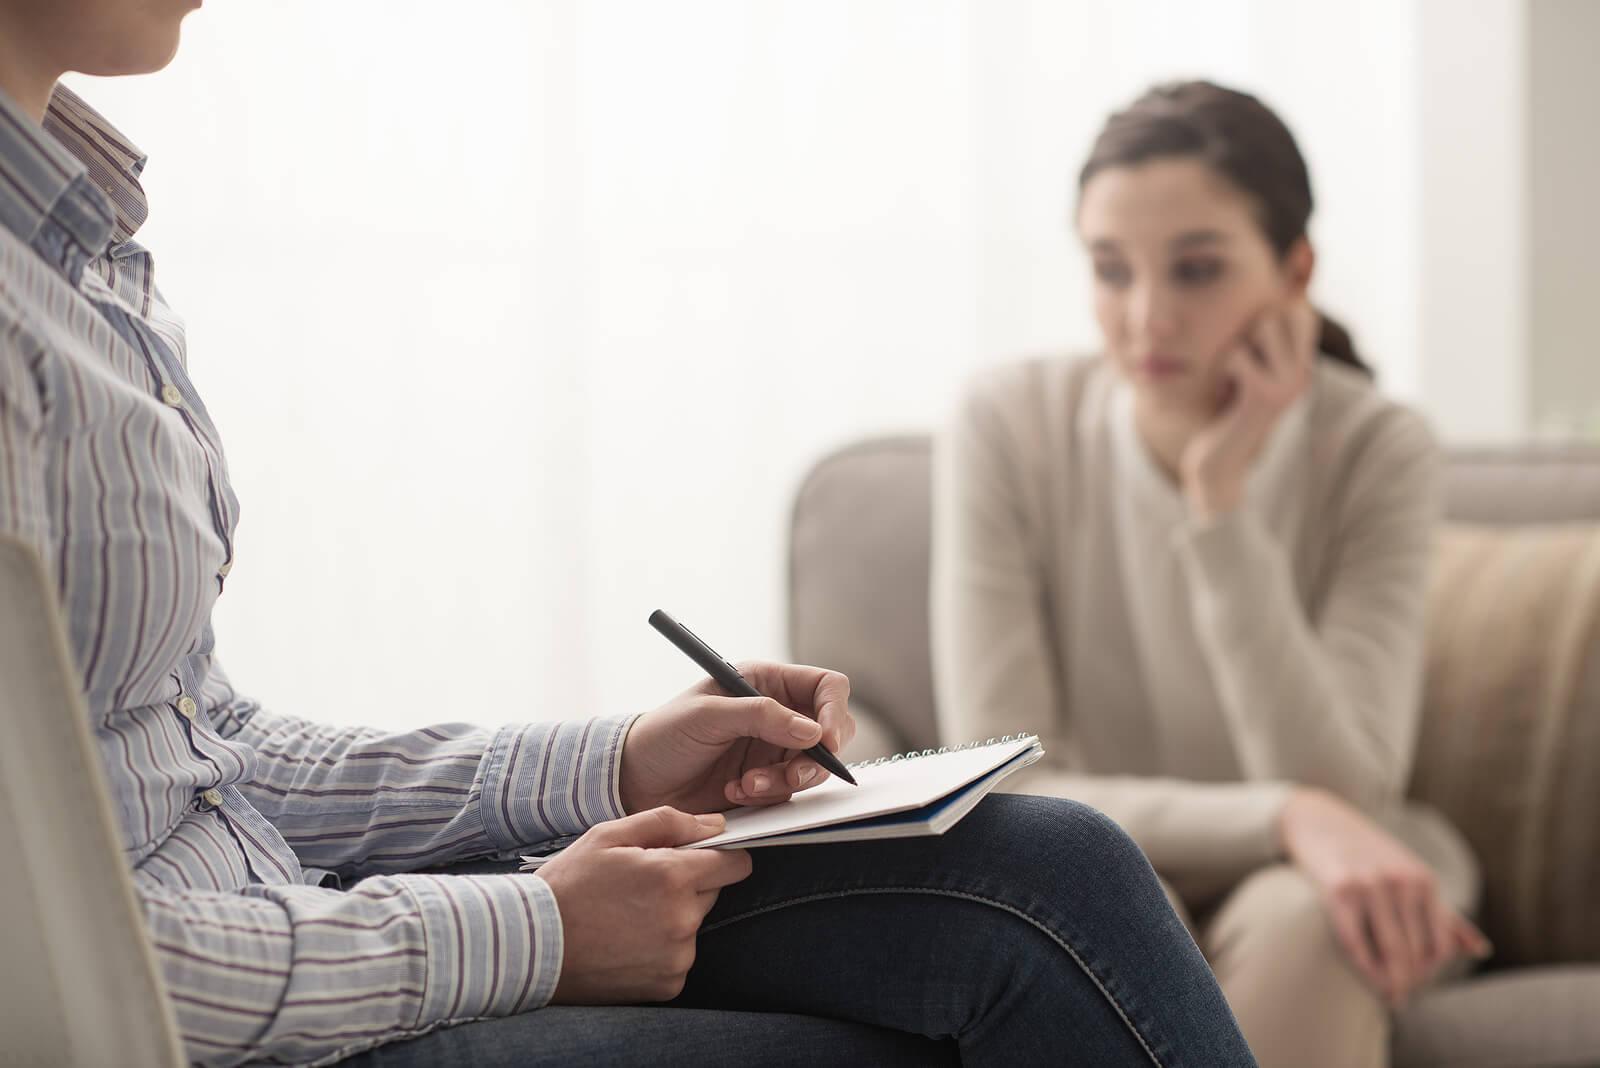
x=23 y=337
x=1353 y=419
x=1374 y=455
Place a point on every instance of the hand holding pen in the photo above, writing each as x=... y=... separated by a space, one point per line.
x=708 y=750
x=630 y=900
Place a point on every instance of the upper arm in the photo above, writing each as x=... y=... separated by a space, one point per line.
x=1372 y=620
x=980 y=510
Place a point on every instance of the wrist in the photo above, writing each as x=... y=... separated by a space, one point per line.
x=1293 y=808
x=629 y=797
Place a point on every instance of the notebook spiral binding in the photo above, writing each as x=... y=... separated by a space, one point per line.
x=913 y=754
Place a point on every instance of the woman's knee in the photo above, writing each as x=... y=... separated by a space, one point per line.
x=1275 y=911
x=1287 y=979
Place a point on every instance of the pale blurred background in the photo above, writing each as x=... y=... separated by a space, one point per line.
x=523 y=319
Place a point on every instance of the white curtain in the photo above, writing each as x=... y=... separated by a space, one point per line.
x=523 y=319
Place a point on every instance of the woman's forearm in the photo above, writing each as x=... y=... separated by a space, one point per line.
x=1201 y=837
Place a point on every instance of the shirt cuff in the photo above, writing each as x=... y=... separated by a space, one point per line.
x=547 y=780
x=1262 y=810
x=493 y=944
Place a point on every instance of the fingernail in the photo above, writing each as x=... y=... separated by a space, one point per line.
x=738 y=792
x=805 y=775
x=803 y=728
x=710 y=821
x=759 y=784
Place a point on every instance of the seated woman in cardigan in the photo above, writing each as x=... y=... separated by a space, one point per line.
x=1195 y=565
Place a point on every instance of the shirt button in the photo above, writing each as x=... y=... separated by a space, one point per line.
x=187 y=707
x=171 y=396
x=225 y=568
x=212 y=797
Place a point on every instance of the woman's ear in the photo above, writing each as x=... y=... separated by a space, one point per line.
x=1299 y=264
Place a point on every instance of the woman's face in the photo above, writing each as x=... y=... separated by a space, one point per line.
x=1182 y=269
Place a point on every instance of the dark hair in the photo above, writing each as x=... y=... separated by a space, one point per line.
x=1245 y=142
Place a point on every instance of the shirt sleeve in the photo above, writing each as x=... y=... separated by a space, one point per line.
x=995 y=672
x=1329 y=700
x=300 y=974
x=357 y=800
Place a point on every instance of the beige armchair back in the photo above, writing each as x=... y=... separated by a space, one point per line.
x=79 y=985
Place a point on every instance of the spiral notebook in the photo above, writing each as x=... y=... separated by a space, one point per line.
x=904 y=796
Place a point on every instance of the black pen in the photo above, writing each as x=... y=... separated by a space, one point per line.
x=728 y=677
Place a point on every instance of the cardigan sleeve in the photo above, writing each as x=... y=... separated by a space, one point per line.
x=1329 y=698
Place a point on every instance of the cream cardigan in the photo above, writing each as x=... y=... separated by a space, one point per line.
x=1283 y=645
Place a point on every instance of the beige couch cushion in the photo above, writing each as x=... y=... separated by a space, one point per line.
x=1510 y=738
x=858 y=584
x=1523 y=1018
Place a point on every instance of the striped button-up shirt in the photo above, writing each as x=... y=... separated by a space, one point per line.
x=231 y=816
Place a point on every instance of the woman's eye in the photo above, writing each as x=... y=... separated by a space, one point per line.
x=1197 y=272
x=1112 y=274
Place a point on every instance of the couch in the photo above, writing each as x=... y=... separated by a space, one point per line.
x=1509 y=755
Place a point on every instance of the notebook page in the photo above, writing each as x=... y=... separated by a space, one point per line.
x=883 y=788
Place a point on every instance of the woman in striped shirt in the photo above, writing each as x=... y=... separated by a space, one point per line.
x=1033 y=931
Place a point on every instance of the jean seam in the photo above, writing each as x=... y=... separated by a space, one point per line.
x=1066 y=947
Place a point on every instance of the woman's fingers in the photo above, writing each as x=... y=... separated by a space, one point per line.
x=1382 y=898
x=1272 y=341
x=1471 y=940
x=819 y=693
x=1350 y=927
x=1305 y=324
x=721 y=720
x=771 y=783
x=1388 y=934
x=802 y=773
x=766 y=785
x=1244 y=384
x=1285 y=344
x=1442 y=942
x=1412 y=899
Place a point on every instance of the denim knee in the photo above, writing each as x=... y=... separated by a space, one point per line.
x=1059 y=830
x=1049 y=847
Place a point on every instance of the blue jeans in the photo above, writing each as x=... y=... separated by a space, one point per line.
x=1034 y=932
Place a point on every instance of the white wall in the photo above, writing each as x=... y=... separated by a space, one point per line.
x=522 y=320
x=1563 y=226
x=1471 y=216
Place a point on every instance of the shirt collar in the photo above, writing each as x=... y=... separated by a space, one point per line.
x=75 y=178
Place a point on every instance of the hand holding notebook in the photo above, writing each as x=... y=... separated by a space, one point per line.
x=905 y=796
x=893 y=797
